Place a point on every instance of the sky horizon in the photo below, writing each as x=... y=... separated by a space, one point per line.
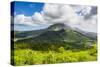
x=34 y=16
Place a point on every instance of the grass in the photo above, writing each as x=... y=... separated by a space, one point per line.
x=31 y=57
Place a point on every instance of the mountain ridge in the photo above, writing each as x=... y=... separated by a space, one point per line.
x=56 y=35
x=55 y=27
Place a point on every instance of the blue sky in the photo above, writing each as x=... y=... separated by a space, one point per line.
x=26 y=8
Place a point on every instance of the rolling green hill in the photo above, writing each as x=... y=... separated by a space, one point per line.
x=55 y=36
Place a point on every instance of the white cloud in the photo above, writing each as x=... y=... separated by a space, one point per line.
x=82 y=10
x=22 y=19
x=88 y=24
x=38 y=18
x=74 y=16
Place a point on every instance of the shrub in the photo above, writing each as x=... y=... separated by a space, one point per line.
x=61 y=49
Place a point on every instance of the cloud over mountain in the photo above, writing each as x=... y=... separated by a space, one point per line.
x=83 y=17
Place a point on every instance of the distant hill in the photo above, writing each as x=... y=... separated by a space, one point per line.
x=33 y=33
x=91 y=35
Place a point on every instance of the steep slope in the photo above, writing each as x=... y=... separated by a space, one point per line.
x=57 y=35
x=29 y=33
x=56 y=32
x=91 y=35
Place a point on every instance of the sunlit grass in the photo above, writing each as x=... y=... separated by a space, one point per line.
x=30 y=57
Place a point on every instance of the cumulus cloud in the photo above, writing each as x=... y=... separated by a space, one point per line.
x=38 y=18
x=22 y=19
x=83 y=17
x=88 y=24
x=82 y=10
x=25 y=20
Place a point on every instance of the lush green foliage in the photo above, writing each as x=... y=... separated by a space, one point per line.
x=30 y=56
x=45 y=46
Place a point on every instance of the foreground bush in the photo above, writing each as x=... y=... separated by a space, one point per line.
x=30 y=57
